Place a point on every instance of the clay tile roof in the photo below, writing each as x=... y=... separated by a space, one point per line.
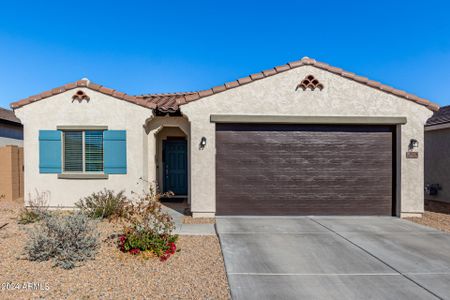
x=84 y=83
x=167 y=102
x=269 y=72
x=232 y=84
x=219 y=88
x=170 y=102
x=320 y=65
x=8 y=115
x=442 y=116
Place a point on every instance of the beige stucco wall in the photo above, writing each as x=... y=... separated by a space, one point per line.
x=437 y=162
x=101 y=110
x=276 y=95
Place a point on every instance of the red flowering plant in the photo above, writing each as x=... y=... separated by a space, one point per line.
x=148 y=228
x=172 y=249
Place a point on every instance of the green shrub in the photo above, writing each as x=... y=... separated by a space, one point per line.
x=64 y=239
x=27 y=216
x=148 y=229
x=35 y=210
x=104 y=204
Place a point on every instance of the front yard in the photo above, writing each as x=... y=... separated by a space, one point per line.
x=196 y=272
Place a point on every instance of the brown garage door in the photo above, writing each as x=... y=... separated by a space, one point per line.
x=304 y=170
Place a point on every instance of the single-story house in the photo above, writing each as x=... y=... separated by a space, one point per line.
x=11 y=129
x=303 y=138
x=437 y=156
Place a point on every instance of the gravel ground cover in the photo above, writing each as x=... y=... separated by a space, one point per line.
x=437 y=215
x=196 y=272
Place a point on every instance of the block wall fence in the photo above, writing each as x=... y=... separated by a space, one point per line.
x=11 y=174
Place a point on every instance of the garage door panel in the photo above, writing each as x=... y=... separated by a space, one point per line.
x=301 y=169
x=358 y=183
x=286 y=196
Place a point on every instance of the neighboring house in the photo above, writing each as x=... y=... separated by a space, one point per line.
x=11 y=130
x=303 y=138
x=437 y=156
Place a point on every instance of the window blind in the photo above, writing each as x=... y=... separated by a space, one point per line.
x=73 y=151
x=93 y=145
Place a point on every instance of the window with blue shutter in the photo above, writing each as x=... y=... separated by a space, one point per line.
x=50 y=151
x=83 y=151
x=115 y=151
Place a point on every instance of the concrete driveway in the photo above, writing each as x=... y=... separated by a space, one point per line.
x=334 y=258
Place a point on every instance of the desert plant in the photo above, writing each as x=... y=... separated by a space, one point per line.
x=35 y=210
x=146 y=211
x=104 y=204
x=65 y=239
x=148 y=228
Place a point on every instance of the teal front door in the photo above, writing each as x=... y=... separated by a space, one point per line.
x=175 y=167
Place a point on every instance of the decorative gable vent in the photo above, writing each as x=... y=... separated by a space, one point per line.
x=80 y=96
x=310 y=83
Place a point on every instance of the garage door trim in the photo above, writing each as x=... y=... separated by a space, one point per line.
x=293 y=119
x=394 y=157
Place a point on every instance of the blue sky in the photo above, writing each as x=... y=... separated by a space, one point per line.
x=144 y=46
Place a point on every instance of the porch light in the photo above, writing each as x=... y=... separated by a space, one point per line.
x=203 y=142
x=413 y=143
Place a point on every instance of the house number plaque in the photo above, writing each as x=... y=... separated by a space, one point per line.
x=412 y=154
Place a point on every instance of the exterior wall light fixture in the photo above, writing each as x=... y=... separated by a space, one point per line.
x=413 y=143
x=202 y=143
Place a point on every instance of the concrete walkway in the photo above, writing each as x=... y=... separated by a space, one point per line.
x=334 y=258
x=189 y=229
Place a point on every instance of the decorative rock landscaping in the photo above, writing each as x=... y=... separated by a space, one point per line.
x=196 y=272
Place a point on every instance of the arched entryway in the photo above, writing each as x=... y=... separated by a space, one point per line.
x=172 y=161
x=168 y=159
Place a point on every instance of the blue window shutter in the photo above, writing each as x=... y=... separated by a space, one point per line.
x=50 y=151
x=115 y=151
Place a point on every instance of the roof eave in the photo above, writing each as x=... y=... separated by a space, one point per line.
x=138 y=100
x=141 y=100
